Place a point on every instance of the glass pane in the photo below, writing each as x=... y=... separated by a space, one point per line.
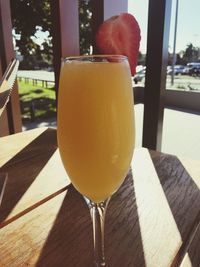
x=181 y=134
x=184 y=47
x=139 y=9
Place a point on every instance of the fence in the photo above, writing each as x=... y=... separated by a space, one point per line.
x=35 y=81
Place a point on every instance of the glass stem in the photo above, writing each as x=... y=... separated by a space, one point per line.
x=98 y=212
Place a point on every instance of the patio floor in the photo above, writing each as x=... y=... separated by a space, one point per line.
x=181 y=131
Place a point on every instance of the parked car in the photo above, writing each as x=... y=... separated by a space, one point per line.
x=193 y=69
x=178 y=70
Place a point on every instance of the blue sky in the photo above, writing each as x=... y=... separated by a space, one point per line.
x=188 y=27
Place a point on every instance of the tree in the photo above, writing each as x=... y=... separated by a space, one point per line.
x=85 y=15
x=31 y=18
x=191 y=53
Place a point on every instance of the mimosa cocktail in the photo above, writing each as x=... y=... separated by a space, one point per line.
x=95 y=125
x=96 y=131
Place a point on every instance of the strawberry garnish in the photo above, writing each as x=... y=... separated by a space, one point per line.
x=120 y=35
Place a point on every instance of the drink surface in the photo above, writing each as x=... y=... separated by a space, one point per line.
x=96 y=125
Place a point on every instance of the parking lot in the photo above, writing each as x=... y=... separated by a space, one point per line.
x=184 y=82
x=181 y=82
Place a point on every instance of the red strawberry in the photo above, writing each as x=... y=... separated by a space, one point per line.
x=120 y=35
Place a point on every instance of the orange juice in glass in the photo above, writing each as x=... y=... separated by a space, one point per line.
x=96 y=130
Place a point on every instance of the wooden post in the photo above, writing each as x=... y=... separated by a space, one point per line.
x=65 y=32
x=156 y=67
x=11 y=121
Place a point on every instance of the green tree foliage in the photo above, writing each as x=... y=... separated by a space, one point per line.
x=28 y=16
x=85 y=15
x=31 y=16
x=191 y=53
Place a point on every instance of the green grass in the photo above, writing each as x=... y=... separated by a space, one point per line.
x=28 y=91
x=42 y=98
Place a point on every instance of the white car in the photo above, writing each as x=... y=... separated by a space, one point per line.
x=178 y=70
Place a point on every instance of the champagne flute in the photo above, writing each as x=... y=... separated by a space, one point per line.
x=96 y=133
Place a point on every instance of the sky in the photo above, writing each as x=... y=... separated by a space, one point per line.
x=188 y=26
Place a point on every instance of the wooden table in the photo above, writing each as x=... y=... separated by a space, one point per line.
x=153 y=220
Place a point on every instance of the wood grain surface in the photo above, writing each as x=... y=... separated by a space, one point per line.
x=12 y=144
x=3 y=182
x=182 y=192
x=192 y=257
x=35 y=171
x=151 y=221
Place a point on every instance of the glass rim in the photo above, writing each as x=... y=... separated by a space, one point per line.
x=90 y=57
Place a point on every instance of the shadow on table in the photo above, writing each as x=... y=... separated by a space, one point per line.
x=183 y=196
x=33 y=158
x=70 y=240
